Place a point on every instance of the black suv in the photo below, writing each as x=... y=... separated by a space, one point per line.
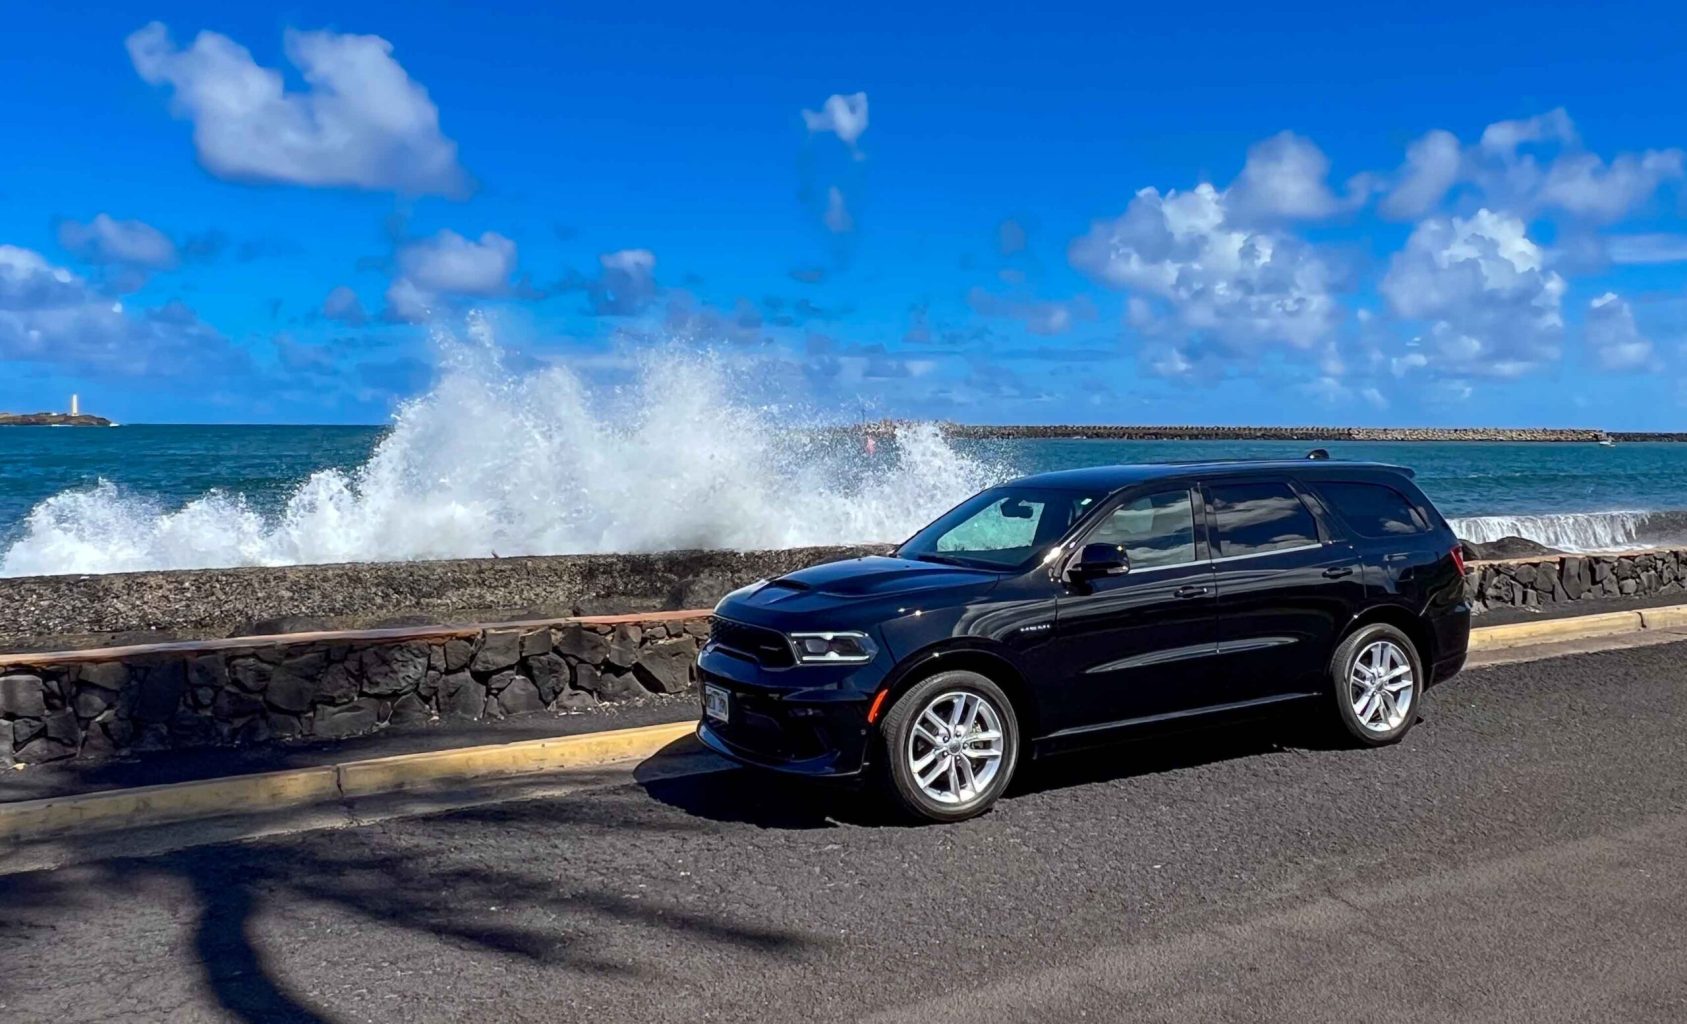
x=1065 y=608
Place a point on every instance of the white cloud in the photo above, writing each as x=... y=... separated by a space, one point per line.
x=128 y=243
x=50 y=315
x=449 y=265
x=361 y=121
x=1613 y=337
x=1230 y=290
x=1646 y=248
x=1492 y=307
x=837 y=218
x=1285 y=177
x=1573 y=181
x=1503 y=137
x=843 y=116
x=1431 y=169
x=1584 y=185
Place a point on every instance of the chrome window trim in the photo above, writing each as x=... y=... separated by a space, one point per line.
x=1265 y=554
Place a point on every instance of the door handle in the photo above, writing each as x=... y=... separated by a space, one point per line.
x=1398 y=556
x=1192 y=591
x=1338 y=571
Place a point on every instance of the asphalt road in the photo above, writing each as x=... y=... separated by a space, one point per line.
x=1519 y=858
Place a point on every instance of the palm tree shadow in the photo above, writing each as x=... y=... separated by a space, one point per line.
x=443 y=896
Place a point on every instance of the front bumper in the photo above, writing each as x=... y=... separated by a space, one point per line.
x=777 y=720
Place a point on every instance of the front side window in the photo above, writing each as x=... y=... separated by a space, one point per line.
x=1155 y=530
x=1002 y=528
x=1373 y=510
x=1258 y=518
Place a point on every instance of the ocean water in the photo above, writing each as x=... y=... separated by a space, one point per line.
x=489 y=462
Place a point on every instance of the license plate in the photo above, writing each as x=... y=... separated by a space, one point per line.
x=715 y=702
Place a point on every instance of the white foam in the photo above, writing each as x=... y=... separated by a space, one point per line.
x=490 y=461
x=1565 y=531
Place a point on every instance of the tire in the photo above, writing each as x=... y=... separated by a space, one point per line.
x=1357 y=660
x=909 y=737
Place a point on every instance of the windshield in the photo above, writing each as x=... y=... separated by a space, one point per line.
x=1004 y=528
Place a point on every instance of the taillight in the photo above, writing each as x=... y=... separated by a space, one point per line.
x=1458 y=557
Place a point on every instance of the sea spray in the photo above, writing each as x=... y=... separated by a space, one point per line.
x=493 y=462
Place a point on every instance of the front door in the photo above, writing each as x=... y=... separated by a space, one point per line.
x=1140 y=644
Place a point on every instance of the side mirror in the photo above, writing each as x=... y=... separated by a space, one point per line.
x=1096 y=560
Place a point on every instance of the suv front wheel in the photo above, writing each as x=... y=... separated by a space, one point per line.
x=950 y=746
x=1378 y=679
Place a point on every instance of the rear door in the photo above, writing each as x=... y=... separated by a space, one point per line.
x=1287 y=586
x=1140 y=644
x=1393 y=537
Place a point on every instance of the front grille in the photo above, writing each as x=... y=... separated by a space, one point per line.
x=765 y=647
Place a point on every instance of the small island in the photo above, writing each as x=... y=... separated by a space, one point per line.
x=51 y=419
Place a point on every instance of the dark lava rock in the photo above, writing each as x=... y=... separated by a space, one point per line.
x=520 y=697
x=394 y=669
x=351 y=720
x=498 y=651
x=582 y=645
x=22 y=696
x=666 y=668
x=461 y=696
x=160 y=691
x=549 y=673
x=1506 y=547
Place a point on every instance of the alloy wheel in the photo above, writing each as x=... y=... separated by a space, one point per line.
x=1381 y=686
x=955 y=747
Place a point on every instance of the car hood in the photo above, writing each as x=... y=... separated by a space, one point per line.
x=859 y=579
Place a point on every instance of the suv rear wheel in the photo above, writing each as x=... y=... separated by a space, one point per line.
x=1378 y=677
x=951 y=743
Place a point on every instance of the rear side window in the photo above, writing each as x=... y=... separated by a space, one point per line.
x=1373 y=510
x=1258 y=518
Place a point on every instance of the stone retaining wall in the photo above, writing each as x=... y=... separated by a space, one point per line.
x=1539 y=582
x=330 y=688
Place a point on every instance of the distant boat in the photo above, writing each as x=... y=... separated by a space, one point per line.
x=1606 y=442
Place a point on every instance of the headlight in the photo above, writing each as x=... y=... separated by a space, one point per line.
x=832 y=648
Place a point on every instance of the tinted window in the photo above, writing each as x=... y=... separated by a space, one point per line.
x=1002 y=528
x=1374 y=510
x=1158 y=529
x=1256 y=518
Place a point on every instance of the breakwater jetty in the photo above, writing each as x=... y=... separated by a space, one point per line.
x=1121 y=432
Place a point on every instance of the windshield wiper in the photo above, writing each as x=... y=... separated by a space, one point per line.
x=946 y=560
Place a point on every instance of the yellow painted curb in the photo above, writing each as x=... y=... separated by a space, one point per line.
x=1672 y=617
x=88 y=813
x=166 y=804
x=411 y=771
x=1573 y=627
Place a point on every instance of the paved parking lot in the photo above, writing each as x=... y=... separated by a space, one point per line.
x=1520 y=857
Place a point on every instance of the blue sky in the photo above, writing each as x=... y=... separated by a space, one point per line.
x=1336 y=214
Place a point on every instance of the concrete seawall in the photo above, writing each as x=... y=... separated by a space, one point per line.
x=57 y=612
x=261 y=689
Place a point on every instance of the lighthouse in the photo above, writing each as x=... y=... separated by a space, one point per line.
x=75 y=405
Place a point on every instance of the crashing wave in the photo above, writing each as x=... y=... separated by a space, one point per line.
x=537 y=463
x=1579 y=531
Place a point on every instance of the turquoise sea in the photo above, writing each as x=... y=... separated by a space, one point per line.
x=86 y=500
